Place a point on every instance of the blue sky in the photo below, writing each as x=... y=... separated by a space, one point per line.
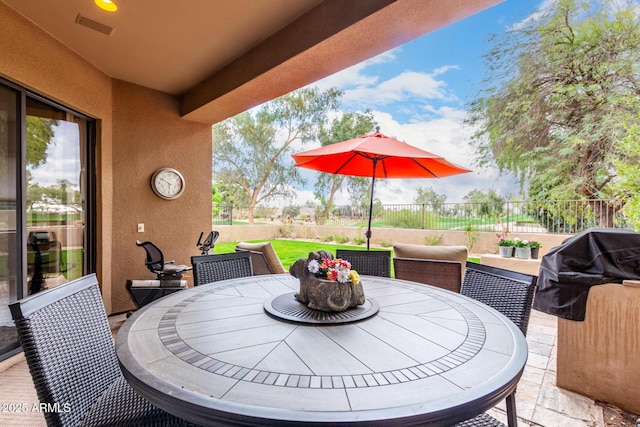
x=419 y=93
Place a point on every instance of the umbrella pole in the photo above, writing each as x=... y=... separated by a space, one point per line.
x=373 y=181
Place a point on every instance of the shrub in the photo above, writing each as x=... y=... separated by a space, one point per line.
x=287 y=232
x=432 y=239
x=359 y=240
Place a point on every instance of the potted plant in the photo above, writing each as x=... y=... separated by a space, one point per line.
x=535 y=248
x=523 y=251
x=505 y=247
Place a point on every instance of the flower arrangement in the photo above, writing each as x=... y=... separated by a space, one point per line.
x=519 y=243
x=534 y=245
x=505 y=242
x=334 y=269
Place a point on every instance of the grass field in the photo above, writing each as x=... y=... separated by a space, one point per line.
x=290 y=250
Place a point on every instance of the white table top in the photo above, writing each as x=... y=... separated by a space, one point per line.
x=212 y=354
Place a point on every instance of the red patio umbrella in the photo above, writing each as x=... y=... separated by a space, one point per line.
x=378 y=156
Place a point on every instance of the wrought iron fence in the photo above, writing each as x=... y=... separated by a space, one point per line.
x=548 y=216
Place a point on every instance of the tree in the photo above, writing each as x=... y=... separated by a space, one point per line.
x=39 y=134
x=252 y=150
x=350 y=125
x=559 y=91
x=629 y=174
x=428 y=196
x=489 y=204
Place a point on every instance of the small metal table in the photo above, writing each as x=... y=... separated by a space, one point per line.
x=214 y=356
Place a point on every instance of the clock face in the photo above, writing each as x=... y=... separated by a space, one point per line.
x=167 y=183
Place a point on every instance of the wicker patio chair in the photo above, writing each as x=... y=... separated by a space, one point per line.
x=259 y=263
x=442 y=274
x=67 y=342
x=270 y=255
x=370 y=263
x=443 y=253
x=510 y=293
x=213 y=268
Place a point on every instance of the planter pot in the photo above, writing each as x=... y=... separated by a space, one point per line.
x=329 y=295
x=506 y=251
x=534 y=253
x=523 y=253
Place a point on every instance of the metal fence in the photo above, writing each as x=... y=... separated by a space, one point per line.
x=548 y=216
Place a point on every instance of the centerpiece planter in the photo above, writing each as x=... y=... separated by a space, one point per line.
x=329 y=295
x=327 y=284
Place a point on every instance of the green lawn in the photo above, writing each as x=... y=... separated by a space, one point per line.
x=291 y=250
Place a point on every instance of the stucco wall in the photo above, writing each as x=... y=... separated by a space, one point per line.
x=149 y=134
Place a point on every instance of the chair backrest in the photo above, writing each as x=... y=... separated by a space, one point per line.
x=444 y=253
x=259 y=263
x=275 y=265
x=213 y=268
x=370 y=263
x=155 y=257
x=67 y=342
x=509 y=292
x=442 y=274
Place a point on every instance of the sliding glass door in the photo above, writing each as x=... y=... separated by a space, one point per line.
x=55 y=204
x=46 y=199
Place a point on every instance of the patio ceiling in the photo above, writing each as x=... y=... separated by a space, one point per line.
x=225 y=56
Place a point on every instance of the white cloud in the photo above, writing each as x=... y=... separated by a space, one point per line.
x=543 y=10
x=62 y=157
x=364 y=90
x=353 y=76
x=407 y=86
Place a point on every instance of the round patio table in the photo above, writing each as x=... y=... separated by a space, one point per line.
x=221 y=354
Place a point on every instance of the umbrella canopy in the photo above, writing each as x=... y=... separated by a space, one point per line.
x=378 y=156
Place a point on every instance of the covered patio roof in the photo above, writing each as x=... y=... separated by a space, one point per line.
x=222 y=57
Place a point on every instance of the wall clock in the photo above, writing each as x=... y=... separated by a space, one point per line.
x=167 y=183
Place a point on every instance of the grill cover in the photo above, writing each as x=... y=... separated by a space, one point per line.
x=593 y=257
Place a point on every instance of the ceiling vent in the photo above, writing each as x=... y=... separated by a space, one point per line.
x=94 y=25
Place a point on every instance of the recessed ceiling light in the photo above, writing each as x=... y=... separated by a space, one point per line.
x=107 y=5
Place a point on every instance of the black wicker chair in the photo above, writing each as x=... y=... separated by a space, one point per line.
x=67 y=342
x=510 y=293
x=442 y=274
x=212 y=268
x=370 y=263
